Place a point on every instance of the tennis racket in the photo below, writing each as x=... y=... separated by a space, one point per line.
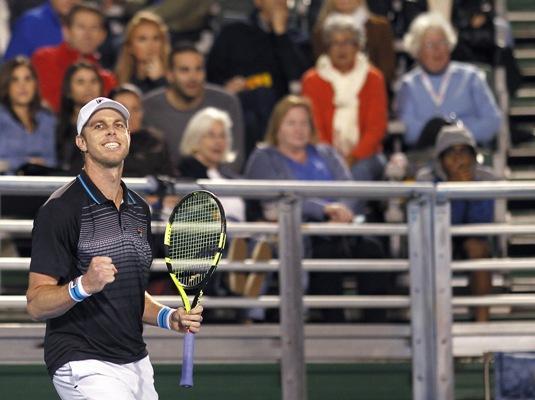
x=193 y=243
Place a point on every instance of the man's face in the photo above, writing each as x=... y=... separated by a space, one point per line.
x=458 y=162
x=187 y=75
x=86 y=32
x=105 y=139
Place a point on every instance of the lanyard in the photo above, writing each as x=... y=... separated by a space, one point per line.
x=438 y=98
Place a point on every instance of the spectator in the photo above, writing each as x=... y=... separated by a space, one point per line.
x=261 y=61
x=145 y=51
x=377 y=31
x=455 y=161
x=439 y=90
x=81 y=84
x=148 y=154
x=189 y=20
x=477 y=24
x=292 y=152
x=169 y=109
x=39 y=27
x=84 y=33
x=26 y=128
x=27 y=145
x=205 y=152
x=349 y=99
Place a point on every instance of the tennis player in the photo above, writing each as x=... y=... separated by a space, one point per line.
x=91 y=255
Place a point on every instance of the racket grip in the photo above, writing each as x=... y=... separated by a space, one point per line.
x=186 y=379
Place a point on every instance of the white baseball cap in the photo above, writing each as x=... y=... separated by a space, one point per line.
x=98 y=104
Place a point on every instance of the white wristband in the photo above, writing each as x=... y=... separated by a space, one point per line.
x=76 y=290
x=164 y=317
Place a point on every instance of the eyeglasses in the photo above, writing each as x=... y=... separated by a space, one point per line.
x=438 y=45
x=343 y=43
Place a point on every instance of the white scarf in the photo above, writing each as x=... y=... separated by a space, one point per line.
x=346 y=87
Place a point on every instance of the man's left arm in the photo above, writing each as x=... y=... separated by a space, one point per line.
x=178 y=320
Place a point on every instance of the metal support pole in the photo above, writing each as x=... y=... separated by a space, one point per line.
x=421 y=282
x=293 y=368
x=442 y=304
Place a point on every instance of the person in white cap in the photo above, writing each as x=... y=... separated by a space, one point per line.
x=91 y=255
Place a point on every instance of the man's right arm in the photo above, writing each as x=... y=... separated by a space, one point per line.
x=45 y=299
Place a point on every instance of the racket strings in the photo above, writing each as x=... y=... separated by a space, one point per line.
x=194 y=239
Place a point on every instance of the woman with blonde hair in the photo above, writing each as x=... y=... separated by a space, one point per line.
x=379 y=36
x=290 y=152
x=143 y=57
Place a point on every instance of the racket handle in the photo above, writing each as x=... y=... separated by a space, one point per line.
x=186 y=379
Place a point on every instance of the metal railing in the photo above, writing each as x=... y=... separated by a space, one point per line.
x=428 y=231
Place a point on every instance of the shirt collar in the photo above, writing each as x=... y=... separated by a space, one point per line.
x=94 y=193
x=76 y=55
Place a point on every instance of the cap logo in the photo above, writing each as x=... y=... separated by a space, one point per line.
x=99 y=101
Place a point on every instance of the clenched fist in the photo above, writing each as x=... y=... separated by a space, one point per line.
x=101 y=271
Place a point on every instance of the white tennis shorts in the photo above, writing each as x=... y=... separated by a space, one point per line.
x=97 y=380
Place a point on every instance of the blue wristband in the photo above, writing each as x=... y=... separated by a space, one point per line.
x=76 y=290
x=164 y=317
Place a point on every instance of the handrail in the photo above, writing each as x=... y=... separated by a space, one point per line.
x=270 y=189
x=392 y=301
x=18 y=302
x=312 y=265
x=485 y=190
x=332 y=265
x=20 y=226
x=252 y=228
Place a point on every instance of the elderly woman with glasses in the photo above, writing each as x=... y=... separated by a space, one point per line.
x=348 y=96
x=438 y=90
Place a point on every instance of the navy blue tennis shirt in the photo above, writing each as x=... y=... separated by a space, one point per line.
x=76 y=224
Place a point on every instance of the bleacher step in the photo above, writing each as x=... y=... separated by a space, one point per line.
x=522 y=175
x=524 y=106
x=521 y=16
x=521 y=217
x=526 y=91
x=523 y=151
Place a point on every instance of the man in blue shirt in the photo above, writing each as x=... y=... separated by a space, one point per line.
x=455 y=161
x=38 y=27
